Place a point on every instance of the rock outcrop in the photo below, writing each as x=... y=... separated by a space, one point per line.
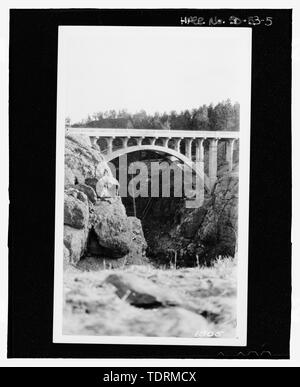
x=143 y=301
x=219 y=227
x=88 y=191
x=75 y=242
x=81 y=160
x=76 y=209
x=112 y=227
x=199 y=236
x=139 y=244
x=95 y=220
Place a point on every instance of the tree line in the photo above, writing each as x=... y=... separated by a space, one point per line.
x=223 y=116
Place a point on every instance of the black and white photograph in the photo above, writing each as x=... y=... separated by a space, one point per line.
x=151 y=232
x=149 y=212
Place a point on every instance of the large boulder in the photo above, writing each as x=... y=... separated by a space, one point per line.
x=85 y=165
x=112 y=227
x=75 y=241
x=88 y=191
x=69 y=177
x=141 y=292
x=98 y=257
x=76 y=209
x=107 y=186
x=82 y=161
x=76 y=225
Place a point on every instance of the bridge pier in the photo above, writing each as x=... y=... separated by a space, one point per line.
x=200 y=149
x=188 y=147
x=229 y=153
x=200 y=157
x=124 y=141
x=177 y=142
x=139 y=140
x=109 y=141
x=165 y=141
x=213 y=161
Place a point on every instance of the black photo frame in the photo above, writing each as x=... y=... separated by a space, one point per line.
x=32 y=141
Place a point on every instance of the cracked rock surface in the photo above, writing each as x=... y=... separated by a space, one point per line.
x=143 y=301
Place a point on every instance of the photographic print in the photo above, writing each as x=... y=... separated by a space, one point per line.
x=152 y=185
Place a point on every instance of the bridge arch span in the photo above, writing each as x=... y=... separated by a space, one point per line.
x=197 y=167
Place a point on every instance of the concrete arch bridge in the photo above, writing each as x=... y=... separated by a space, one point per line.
x=186 y=146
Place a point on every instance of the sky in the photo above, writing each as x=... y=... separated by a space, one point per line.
x=151 y=68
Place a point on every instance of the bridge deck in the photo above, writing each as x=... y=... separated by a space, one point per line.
x=110 y=132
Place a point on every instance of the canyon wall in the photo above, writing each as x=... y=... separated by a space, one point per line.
x=95 y=222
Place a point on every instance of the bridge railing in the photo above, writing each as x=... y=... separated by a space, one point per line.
x=124 y=132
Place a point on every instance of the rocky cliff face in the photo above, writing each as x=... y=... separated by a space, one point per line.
x=213 y=228
x=198 y=236
x=95 y=220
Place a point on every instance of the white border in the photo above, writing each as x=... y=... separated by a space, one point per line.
x=244 y=169
x=5 y=5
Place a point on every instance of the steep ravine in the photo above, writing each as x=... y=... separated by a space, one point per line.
x=194 y=236
x=189 y=237
x=116 y=283
x=100 y=230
